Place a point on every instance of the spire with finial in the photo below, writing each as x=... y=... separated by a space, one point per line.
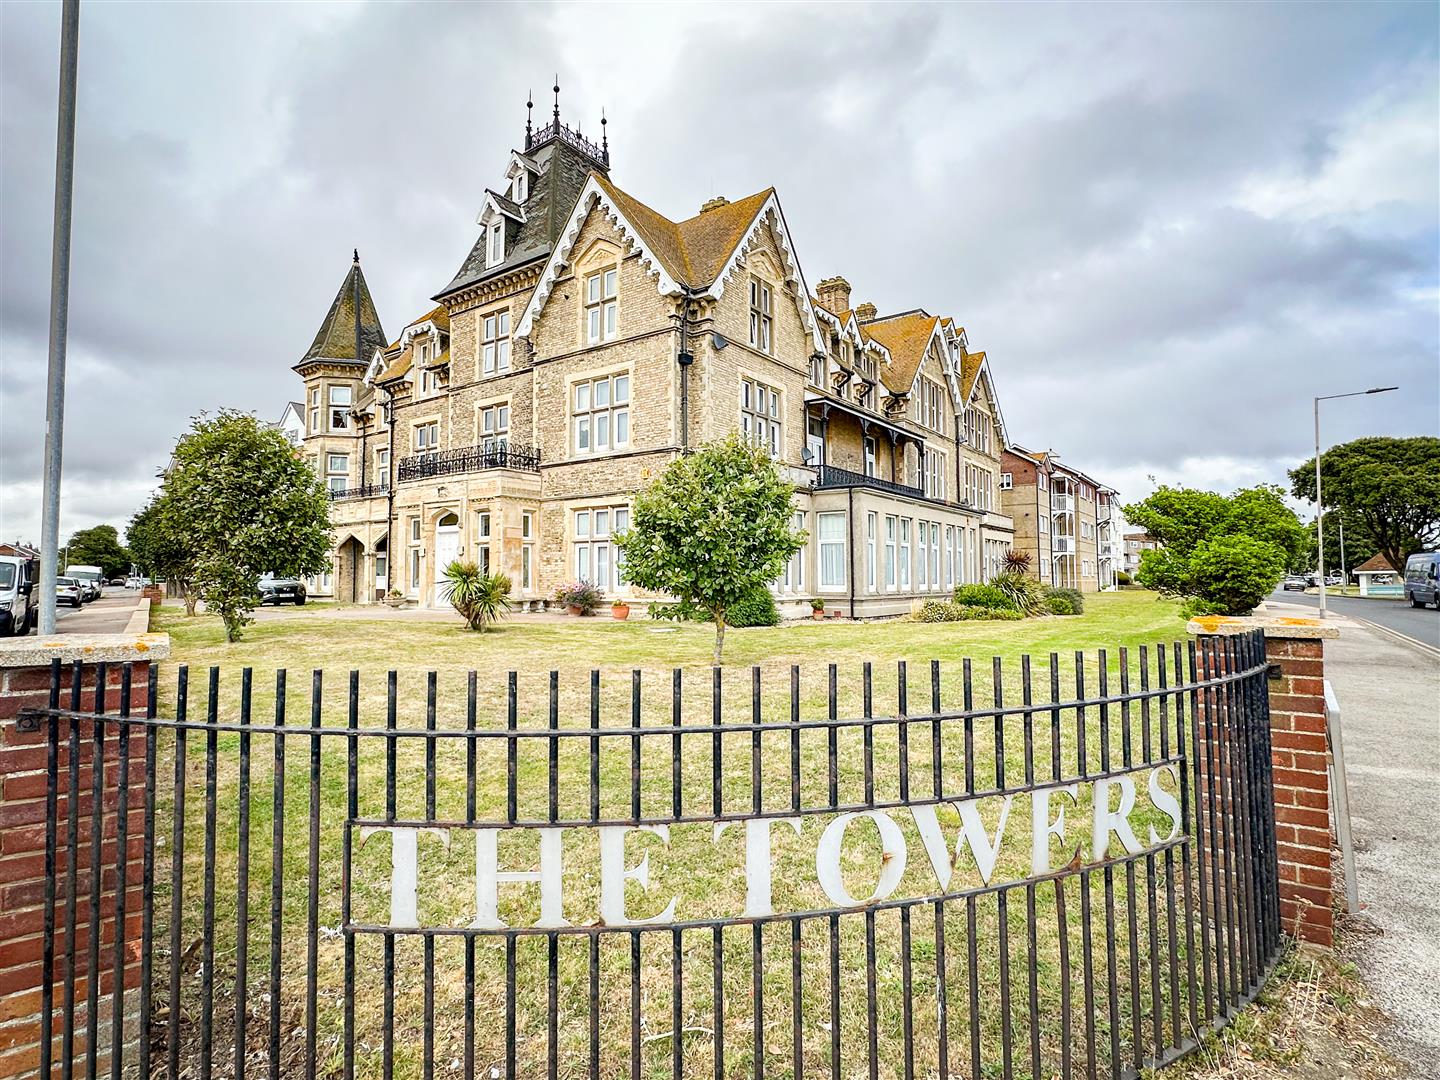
x=557 y=99
x=357 y=256
x=604 y=137
x=529 y=128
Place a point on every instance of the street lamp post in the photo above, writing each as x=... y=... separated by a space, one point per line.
x=1319 y=503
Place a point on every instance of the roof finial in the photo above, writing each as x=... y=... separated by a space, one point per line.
x=604 y=137
x=529 y=104
x=557 y=99
x=357 y=256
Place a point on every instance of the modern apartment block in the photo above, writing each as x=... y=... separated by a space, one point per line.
x=585 y=342
x=1136 y=544
x=1067 y=521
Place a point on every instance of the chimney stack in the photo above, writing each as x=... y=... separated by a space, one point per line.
x=866 y=312
x=714 y=204
x=834 y=294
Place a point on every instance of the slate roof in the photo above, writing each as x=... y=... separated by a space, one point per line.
x=906 y=336
x=560 y=172
x=335 y=339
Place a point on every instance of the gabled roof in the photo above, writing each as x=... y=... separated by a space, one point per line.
x=397 y=367
x=1376 y=564
x=335 y=339
x=696 y=255
x=907 y=337
x=970 y=365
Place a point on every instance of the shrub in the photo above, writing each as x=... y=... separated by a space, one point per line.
x=1017 y=561
x=1025 y=595
x=983 y=596
x=940 y=611
x=756 y=609
x=579 y=594
x=1064 y=601
x=479 y=598
x=1122 y=578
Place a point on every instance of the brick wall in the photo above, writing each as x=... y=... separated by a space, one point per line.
x=23 y=804
x=1299 y=753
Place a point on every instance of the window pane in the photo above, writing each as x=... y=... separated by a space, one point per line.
x=602 y=393
x=503 y=354
x=582 y=523
x=582 y=397
x=622 y=519
x=489 y=327
x=339 y=395
x=602 y=565
x=611 y=277
x=582 y=433
x=622 y=389
x=592 y=288
x=582 y=562
x=504 y=417
x=610 y=312
x=602 y=431
x=487 y=421
x=622 y=426
x=504 y=322
x=595 y=324
x=602 y=522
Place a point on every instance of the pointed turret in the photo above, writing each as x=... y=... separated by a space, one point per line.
x=335 y=341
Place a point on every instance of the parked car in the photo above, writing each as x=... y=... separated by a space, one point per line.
x=1422 y=579
x=68 y=590
x=90 y=577
x=118 y=582
x=277 y=591
x=19 y=606
x=1295 y=583
x=1333 y=580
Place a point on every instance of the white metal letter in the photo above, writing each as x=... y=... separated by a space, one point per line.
x=489 y=876
x=972 y=832
x=1164 y=801
x=404 y=876
x=758 y=901
x=1042 y=828
x=1118 y=820
x=613 y=875
x=892 y=858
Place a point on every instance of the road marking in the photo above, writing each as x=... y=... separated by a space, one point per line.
x=1404 y=639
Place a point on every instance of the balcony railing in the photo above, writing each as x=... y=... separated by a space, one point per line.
x=831 y=476
x=1107 y=549
x=1062 y=545
x=1062 y=504
x=468 y=459
x=363 y=492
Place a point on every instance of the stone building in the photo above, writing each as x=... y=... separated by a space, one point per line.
x=585 y=342
x=1067 y=521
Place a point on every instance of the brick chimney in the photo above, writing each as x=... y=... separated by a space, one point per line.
x=834 y=294
x=714 y=204
x=866 y=312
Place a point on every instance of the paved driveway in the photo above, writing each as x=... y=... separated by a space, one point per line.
x=1389 y=697
x=1423 y=624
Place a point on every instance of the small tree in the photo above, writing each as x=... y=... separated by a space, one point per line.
x=240 y=502
x=160 y=550
x=99 y=546
x=480 y=598
x=1390 y=488
x=713 y=528
x=1225 y=553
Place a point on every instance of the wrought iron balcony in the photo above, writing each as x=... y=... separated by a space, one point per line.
x=467 y=459
x=831 y=476
x=364 y=492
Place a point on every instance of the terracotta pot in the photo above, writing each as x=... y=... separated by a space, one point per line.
x=817 y=613
x=620 y=611
x=574 y=609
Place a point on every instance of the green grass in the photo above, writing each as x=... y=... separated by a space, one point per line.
x=706 y=875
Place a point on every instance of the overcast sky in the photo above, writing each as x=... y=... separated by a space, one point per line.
x=1168 y=225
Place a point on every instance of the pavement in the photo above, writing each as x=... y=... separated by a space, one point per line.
x=108 y=615
x=1389 y=696
x=1423 y=624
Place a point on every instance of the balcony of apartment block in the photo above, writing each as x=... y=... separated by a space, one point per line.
x=468 y=459
x=1062 y=545
x=1108 y=549
x=1062 y=504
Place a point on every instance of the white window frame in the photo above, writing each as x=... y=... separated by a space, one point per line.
x=520 y=191
x=872 y=528
x=421 y=445
x=382 y=469
x=1007 y=481
x=527 y=550
x=340 y=409
x=922 y=556
x=493 y=423
x=792 y=579
x=495 y=342
x=907 y=530
x=762 y=316
x=337 y=477
x=483 y=523
x=949 y=556
x=760 y=415
x=315 y=411
x=594 y=530
x=495 y=243
x=823 y=544
x=602 y=306
x=935 y=555
x=871 y=449
x=588 y=419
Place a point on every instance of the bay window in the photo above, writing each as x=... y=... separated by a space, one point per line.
x=339 y=408
x=890 y=557
x=906 y=524
x=871 y=528
x=337 y=471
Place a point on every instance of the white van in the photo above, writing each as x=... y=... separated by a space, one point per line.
x=1422 y=579
x=91 y=579
x=19 y=606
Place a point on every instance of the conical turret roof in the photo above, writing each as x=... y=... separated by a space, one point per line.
x=336 y=337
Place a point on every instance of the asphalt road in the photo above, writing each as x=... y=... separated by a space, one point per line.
x=1423 y=624
x=108 y=615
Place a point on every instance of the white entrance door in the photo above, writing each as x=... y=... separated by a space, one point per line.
x=447 y=548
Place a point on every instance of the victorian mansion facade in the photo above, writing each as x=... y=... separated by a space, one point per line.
x=584 y=343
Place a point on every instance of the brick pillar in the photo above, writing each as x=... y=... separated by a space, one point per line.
x=24 y=683
x=1300 y=755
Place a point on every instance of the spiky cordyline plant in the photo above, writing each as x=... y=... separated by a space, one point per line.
x=480 y=598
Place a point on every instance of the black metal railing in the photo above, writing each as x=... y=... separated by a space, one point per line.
x=365 y=491
x=466 y=459
x=832 y=476
x=313 y=943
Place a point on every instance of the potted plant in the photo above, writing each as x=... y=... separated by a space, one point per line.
x=579 y=597
x=619 y=609
x=395 y=599
x=817 y=608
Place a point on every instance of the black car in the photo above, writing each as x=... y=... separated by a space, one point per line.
x=286 y=590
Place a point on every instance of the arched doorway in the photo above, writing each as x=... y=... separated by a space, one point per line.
x=447 y=550
x=349 y=587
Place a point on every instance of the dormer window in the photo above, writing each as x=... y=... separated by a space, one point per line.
x=521 y=190
x=495 y=243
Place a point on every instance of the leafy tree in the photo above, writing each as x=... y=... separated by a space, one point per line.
x=159 y=549
x=1358 y=545
x=1225 y=552
x=713 y=528
x=480 y=598
x=240 y=502
x=100 y=547
x=1389 y=487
